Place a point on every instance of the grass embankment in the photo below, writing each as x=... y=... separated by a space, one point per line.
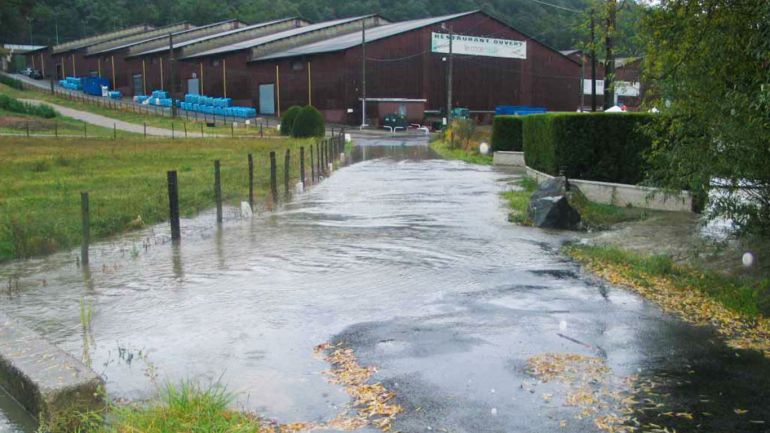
x=177 y=409
x=179 y=124
x=19 y=124
x=738 y=307
x=467 y=151
x=595 y=216
x=41 y=181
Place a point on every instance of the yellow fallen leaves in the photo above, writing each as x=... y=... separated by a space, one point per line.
x=374 y=403
x=566 y=367
x=689 y=304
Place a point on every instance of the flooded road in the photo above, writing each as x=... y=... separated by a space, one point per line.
x=409 y=261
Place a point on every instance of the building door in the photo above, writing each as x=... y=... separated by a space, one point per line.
x=267 y=98
x=193 y=87
x=138 y=84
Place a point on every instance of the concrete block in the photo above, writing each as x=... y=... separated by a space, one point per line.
x=514 y=159
x=46 y=381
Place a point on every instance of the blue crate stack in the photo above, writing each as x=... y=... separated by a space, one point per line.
x=217 y=106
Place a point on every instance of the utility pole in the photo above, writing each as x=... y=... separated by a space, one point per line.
x=450 y=68
x=172 y=63
x=363 y=73
x=609 y=62
x=593 y=63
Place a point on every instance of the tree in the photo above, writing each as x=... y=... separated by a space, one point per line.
x=708 y=63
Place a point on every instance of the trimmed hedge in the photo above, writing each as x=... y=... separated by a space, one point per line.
x=11 y=82
x=507 y=133
x=13 y=105
x=287 y=119
x=309 y=123
x=606 y=147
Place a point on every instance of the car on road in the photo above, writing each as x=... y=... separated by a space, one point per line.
x=36 y=74
x=26 y=71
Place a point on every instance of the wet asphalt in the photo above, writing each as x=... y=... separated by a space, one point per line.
x=409 y=261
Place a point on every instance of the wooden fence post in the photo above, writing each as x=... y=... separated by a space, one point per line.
x=218 y=190
x=173 y=204
x=302 y=165
x=312 y=166
x=286 y=168
x=273 y=180
x=251 y=182
x=85 y=216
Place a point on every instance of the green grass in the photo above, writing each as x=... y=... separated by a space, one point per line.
x=518 y=201
x=745 y=295
x=179 y=124
x=61 y=125
x=442 y=148
x=41 y=181
x=595 y=216
x=184 y=408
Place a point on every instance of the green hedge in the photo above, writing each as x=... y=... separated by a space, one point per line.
x=13 y=105
x=11 y=82
x=606 y=147
x=309 y=123
x=287 y=119
x=507 y=133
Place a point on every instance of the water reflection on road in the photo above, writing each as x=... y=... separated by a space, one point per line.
x=406 y=258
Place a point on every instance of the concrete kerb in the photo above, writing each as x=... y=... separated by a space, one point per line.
x=49 y=383
x=506 y=158
x=618 y=194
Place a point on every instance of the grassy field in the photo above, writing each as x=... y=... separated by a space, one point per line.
x=41 y=180
x=179 y=124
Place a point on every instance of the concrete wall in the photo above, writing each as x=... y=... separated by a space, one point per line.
x=511 y=159
x=49 y=383
x=618 y=194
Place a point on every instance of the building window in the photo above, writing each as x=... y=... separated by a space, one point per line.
x=297 y=66
x=214 y=62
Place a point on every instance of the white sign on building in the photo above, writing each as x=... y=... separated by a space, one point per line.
x=479 y=46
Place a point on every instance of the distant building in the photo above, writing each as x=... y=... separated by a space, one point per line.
x=274 y=65
x=628 y=79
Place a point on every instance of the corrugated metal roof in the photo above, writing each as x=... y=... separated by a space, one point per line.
x=22 y=49
x=275 y=37
x=218 y=35
x=352 y=39
x=131 y=43
x=96 y=39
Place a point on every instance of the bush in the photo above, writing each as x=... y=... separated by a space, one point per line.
x=309 y=123
x=460 y=132
x=8 y=103
x=606 y=147
x=287 y=119
x=11 y=82
x=507 y=133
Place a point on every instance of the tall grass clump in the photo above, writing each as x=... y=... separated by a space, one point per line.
x=11 y=82
x=13 y=105
x=184 y=408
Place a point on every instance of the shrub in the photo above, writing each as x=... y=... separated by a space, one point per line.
x=460 y=132
x=606 y=147
x=14 y=105
x=507 y=133
x=11 y=82
x=287 y=119
x=309 y=123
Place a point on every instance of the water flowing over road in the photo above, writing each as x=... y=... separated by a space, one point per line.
x=409 y=261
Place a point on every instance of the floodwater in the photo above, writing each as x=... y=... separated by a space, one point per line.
x=410 y=261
